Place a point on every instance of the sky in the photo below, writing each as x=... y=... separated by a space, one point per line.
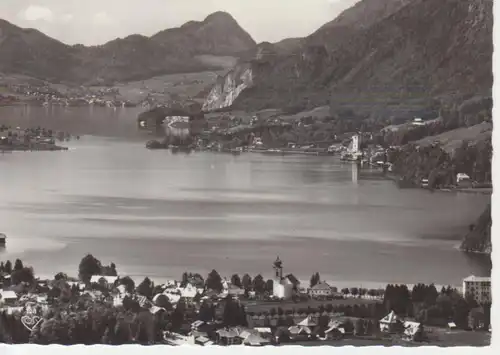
x=94 y=22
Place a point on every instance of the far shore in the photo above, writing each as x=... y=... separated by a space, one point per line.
x=334 y=283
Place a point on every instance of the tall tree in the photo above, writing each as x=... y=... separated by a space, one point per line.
x=360 y=327
x=206 y=313
x=270 y=286
x=145 y=288
x=246 y=282
x=178 y=315
x=259 y=285
x=18 y=265
x=88 y=267
x=431 y=295
x=214 y=281
x=26 y=274
x=235 y=280
x=185 y=279
x=164 y=302
x=60 y=276
x=8 y=267
x=128 y=283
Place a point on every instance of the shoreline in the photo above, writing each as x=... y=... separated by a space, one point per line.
x=376 y=285
x=55 y=148
x=470 y=190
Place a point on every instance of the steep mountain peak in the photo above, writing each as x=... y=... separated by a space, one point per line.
x=218 y=34
x=220 y=17
x=175 y=50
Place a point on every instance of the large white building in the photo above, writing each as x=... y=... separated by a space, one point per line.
x=478 y=287
x=282 y=286
x=355 y=144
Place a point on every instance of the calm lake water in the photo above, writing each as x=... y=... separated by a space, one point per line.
x=158 y=214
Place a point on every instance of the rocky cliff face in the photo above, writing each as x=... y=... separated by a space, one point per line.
x=407 y=52
x=227 y=88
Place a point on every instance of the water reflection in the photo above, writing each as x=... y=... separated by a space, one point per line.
x=162 y=207
x=88 y=120
x=355 y=173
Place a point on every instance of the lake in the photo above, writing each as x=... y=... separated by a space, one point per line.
x=158 y=214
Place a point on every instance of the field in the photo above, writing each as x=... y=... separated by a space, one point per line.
x=444 y=337
x=453 y=139
x=259 y=306
x=175 y=86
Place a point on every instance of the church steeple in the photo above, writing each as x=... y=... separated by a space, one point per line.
x=278 y=268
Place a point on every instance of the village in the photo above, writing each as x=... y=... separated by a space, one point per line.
x=243 y=311
x=31 y=139
x=48 y=95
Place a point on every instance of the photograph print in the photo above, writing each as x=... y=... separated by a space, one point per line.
x=246 y=173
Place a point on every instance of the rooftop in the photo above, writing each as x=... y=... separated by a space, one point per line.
x=109 y=279
x=321 y=286
x=473 y=278
x=4 y=294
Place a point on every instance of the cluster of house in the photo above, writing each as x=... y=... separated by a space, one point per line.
x=49 y=96
x=7 y=99
x=259 y=331
x=31 y=138
x=462 y=181
x=305 y=329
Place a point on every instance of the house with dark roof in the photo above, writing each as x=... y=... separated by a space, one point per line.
x=228 y=336
x=321 y=289
x=293 y=280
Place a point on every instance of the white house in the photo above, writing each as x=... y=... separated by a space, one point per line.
x=282 y=290
x=7 y=297
x=321 y=289
x=172 y=295
x=118 y=300
x=170 y=284
x=235 y=291
x=410 y=330
x=388 y=323
x=110 y=280
x=189 y=291
x=418 y=122
x=355 y=143
x=463 y=179
x=478 y=287
x=282 y=287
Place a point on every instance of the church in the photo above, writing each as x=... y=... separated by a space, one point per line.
x=283 y=287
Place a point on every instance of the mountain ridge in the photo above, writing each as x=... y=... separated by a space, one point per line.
x=408 y=51
x=32 y=53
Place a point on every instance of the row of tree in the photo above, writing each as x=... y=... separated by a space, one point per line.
x=18 y=273
x=79 y=319
x=365 y=310
x=427 y=305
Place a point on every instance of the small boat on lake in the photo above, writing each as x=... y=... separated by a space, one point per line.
x=3 y=239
